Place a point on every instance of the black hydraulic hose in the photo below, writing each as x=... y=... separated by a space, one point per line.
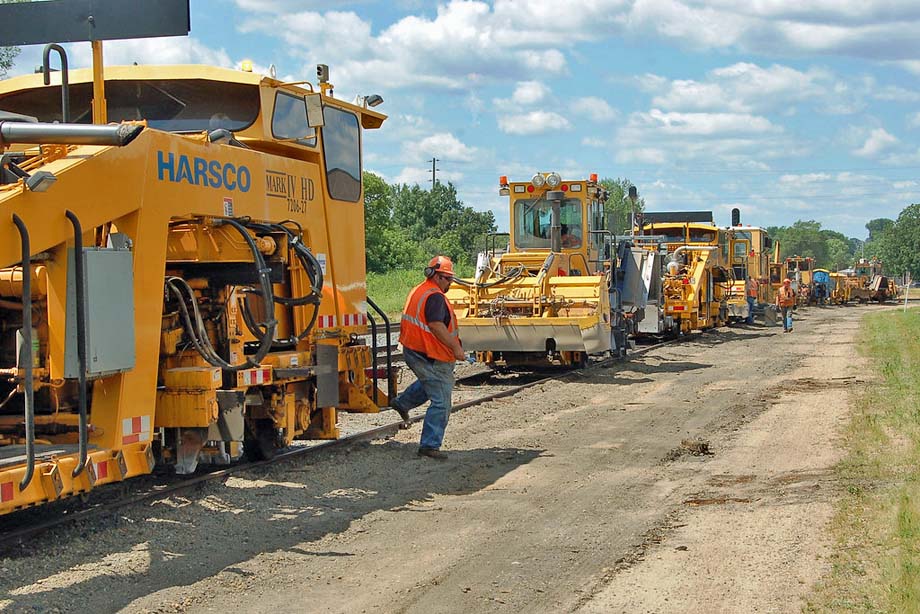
x=203 y=347
x=512 y=274
x=25 y=355
x=262 y=271
x=310 y=264
x=81 y=338
x=307 y=259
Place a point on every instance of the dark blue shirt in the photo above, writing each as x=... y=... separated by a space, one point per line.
x=437 y=309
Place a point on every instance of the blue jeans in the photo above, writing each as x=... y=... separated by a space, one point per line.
x=751 y=301
x=435 y=382
x=787 y=318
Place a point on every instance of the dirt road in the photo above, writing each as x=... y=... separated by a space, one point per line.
x=577 y=497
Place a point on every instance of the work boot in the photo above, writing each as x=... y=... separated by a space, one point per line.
x=432 y=453
x=403 y=413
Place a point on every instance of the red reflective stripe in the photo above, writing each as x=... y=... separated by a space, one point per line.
x=136 y=424
x=6 y=492
x=102 y=470
x=131 y=438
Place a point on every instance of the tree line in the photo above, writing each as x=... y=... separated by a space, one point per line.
x=405 y=225
x=831 y=250
x=896 y=242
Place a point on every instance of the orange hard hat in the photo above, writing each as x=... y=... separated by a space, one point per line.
x=440 y=264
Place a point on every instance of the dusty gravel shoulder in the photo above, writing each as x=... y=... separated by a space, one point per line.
x=753 y=537
x=580 y=495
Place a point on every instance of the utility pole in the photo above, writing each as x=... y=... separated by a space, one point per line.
x=434 y=170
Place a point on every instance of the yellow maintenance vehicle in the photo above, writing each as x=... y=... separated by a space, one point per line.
x=696 y=284
x=183 y=273
x=799 y=271
x=868 y=282
x=750 y=251
x=839 y=289
x=563 y=289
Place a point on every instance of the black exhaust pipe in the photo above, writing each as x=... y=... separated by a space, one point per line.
x=67 y=134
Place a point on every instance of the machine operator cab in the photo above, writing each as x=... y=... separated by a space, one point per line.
x=236 y=106
x=579 y=236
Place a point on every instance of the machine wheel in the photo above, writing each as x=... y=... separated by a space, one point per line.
x=261 y=440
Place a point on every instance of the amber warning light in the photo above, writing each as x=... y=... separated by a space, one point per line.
x=503 y=180
x=593 y=177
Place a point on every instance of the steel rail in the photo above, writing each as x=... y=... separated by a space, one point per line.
x=17 y=537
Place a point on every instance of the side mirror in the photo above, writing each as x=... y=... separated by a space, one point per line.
x=314 y=104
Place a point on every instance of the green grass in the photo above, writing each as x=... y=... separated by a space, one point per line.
x=876 y=559
x=389 y=290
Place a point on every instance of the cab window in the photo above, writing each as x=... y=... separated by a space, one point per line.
x=342 y=151
x=533 y=219
x=669 y=235
x=180 y=105
x=698 y=235
x=289 y=120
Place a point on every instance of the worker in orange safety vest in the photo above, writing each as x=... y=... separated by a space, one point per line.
x=785 y=301
x=431 y=344
x=751 y=288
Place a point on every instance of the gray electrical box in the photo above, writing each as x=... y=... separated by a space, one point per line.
x=109 y=298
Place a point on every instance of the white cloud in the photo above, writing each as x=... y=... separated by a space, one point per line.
x=913 y=120
x=444 y=146
x=702 y=124
x=465 y=43
x=165 y=50
x=526 y=93
x=878 y=141
x=530 y=92
x=592 y=141
x=883 y=30
x=743 y=87
x=803 y=179
x=534 y=122
x=595 y=109
x=896 y=94
x=289 y=6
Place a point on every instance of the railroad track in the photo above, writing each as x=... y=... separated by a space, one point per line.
x=495 y=386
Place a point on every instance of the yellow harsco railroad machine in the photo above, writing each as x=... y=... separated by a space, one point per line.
x=696 y=284
x=750 y=251
x=180 y=286
x=563 y=289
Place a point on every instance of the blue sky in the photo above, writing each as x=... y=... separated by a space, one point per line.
x=787 y=109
